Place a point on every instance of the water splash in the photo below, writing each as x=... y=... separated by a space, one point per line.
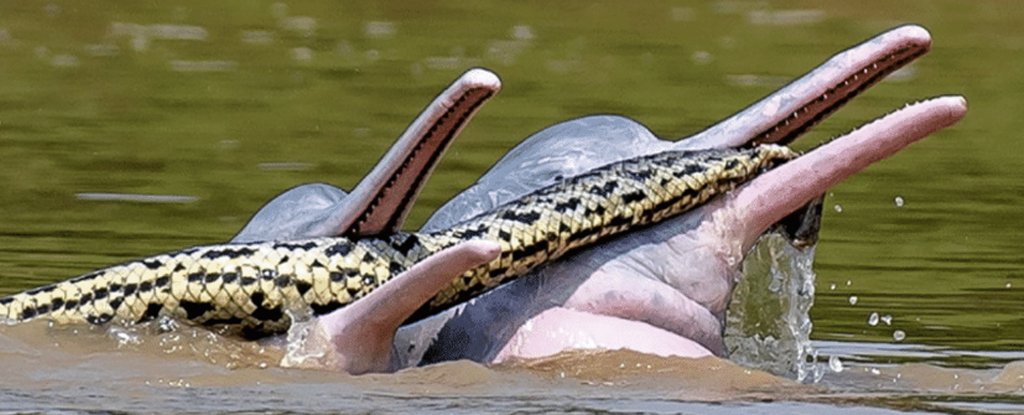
x=301 y=350
x=768 y=325
x=835 y=364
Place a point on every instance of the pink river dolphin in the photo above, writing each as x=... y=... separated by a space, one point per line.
x=663 y=289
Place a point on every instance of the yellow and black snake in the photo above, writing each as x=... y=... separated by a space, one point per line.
x=251 y=288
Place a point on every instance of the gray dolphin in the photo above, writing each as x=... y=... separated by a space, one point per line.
x=662 y=290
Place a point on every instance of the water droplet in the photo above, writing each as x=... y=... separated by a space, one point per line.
x=848 y=283
x=899 y=335
x=873 y=319
x=875 y=371
x=835 y=364
x=832 y=287
x=838 y=208
x=125 y=337
x=853 y=300
x=898 y=201
x=1009 y=285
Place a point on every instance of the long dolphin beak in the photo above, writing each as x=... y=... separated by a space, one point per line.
x=381 y=201
x=787 y=113
x=358 y=338
x=771 y=196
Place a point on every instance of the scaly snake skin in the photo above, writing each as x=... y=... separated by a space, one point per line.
x=251 y=289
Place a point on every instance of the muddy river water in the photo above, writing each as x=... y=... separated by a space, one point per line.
x=132 y=128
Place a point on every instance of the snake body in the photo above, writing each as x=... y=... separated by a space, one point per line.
x=253 y=289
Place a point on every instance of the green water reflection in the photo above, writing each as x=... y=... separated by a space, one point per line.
x=229 y=103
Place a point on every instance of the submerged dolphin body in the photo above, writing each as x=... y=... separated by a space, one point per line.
x=662 y=290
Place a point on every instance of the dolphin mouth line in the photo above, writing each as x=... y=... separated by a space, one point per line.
x=823 y=143
x=464 y=107
x=909 y=104
x=809 y=115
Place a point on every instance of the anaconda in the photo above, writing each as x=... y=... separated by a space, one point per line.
x=253 y=288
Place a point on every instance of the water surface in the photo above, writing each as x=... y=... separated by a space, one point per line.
x=131 y=128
